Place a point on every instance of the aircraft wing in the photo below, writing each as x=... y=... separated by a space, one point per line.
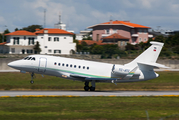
x=157 y=65
x=87 y=78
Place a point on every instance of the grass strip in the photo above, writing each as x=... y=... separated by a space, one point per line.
x=19 y=81
x=92 y=108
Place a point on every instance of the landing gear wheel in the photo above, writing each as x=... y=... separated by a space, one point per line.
x=32 y=77
x=31 y=81
x=92 y=88
x=86 y=88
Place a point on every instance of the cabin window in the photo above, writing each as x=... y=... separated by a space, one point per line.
x=55 y=63
x=87 y=68
x=79 y=66
x=83 y=67
x=58 y=64
x=74 y=66
x=66 y=65
x=63 y=64
x=71 y=65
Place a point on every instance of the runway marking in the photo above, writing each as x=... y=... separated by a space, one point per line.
x=47 y=96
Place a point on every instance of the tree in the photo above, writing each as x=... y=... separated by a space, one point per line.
x=37 y=48
x=3 y=37
x=32 y=28
x=16 y=29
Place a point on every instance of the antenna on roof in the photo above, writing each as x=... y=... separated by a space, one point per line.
x=60 y=18
x=110 y=18
x=44 y=17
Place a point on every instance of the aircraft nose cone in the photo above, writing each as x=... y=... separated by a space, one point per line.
x=15 y=64
x=11 y=64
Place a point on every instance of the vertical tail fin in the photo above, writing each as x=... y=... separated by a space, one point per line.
x=149 y=56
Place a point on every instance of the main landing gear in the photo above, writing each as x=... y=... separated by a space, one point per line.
x=92 y=88
x=32 y=77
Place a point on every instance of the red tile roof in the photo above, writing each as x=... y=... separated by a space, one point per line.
x=3 y=43
x=54 y=31
x=115 y=36
x=50 y=31
x=126 y=23
x=21 y=32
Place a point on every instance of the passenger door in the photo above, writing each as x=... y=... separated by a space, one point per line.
x=42 y=64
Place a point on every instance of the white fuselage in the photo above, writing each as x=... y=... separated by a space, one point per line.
x=65 y=67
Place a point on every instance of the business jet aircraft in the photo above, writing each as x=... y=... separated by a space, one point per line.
x=139 y=69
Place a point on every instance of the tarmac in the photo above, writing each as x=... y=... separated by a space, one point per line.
x=88 y=93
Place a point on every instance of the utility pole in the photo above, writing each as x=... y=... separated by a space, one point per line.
x=44 y=17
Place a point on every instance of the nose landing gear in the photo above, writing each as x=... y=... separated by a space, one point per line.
x=32 y=77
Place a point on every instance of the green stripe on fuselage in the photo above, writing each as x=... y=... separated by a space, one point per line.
x=72 y=72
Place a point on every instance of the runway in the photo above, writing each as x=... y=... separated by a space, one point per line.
x=88 y=93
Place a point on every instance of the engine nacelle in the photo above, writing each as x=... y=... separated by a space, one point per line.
x=120 y=70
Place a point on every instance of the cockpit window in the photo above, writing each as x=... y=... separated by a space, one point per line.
x=29 y=58
x=26 y=58
x=33 y=58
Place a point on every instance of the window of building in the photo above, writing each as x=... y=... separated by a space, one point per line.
x=114 y=30
x=145 y=39
x=125 y=43
x=13 y=50
x=29 y=51
x=49 y=51
x=45 y=46
x=97 y=37
x=31 y=40
x=56 y=39
x=16 y=40
x=64 y=37
x=140 y=30
x=121 y=43
x=140 y=39
x=145 y=31
x=57 y=51
x=24 y=37
x=49 y=38
x=107 y=31
x=42 y=37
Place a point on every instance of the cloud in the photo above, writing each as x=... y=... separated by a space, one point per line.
x=79 y=14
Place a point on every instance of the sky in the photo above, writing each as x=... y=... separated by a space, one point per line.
x=80 y=14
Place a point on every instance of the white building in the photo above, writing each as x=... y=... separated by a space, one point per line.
x=52 y=41
x=82 y=34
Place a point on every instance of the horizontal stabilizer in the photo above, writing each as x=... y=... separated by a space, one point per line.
x=154 y=65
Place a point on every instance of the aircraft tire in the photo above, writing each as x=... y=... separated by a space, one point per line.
x=86 y=88
x=92 y=88
x=31 y=81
